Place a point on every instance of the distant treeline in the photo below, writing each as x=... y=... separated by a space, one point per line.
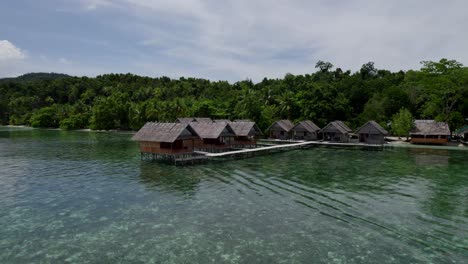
x=439 y=90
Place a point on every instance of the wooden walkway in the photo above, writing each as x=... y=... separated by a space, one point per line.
x=202 y=156
x=289 y=147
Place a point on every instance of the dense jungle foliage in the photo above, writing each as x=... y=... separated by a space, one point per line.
x=439 y=90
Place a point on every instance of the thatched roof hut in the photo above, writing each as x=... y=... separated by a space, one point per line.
x=166 y=138
x=280 y=129
x=212 y=130
x=245 y=129
x=214 y=136
x=372 y=133
x=336 y=131
x=305 y=130
x=429 y=132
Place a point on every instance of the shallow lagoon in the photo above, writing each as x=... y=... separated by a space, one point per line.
x=86 y=197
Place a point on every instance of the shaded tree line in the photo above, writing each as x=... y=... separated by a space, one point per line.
x=439 y=90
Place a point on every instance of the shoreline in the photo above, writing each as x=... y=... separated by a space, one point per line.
x=72 y=130
x=389 y=144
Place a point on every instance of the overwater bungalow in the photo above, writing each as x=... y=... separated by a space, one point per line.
x=336 y=131
x=371 y=133
x=305 y=130
x=166 y=138
x=246 y=133
x=214 y=136
x=280 y=129
x=430 y=132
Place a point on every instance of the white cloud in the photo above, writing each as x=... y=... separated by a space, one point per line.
x=94 y=4
x=259 y=38
x=236 y=39
x=9 y=52
x=64 y=61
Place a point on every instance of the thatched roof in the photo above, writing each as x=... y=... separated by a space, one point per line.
x=336 y=126
x=203 y=120
x=222 y=120
x=430 y=127
x=242 y=120
x=212 y=130
x=244 y=129
x=284 y=125
x=185 y=120
x=371 y=127
x=164 y=132
x=306 y=125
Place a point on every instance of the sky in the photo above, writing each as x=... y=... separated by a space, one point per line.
x=229 y=40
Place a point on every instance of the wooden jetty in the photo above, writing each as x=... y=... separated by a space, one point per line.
x=198 y=157
x=197 y=142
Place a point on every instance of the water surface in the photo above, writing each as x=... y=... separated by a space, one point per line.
x=86 y=197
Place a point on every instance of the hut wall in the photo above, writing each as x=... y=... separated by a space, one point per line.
x=372 y=138
x=279 y=134
x=179 y=146
x=429 y=139
x=335 y=137
x=305 y=135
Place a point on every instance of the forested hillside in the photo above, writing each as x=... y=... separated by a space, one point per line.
x=124 y=101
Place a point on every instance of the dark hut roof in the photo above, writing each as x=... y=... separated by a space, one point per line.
x=212 y=130
x=164 y=132
x=344 y=126
x=430 y=127
x=243 y=129
x=371 y=127
x=306 y=125
x=336 y=126
x=203 y=120
x=185 y=120
x=284 y=125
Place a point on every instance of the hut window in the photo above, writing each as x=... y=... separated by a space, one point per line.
x=305 y=133
x=282 y=133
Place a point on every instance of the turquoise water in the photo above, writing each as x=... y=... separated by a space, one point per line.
x=86 y=197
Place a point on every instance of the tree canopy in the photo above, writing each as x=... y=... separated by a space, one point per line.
x=439 y=90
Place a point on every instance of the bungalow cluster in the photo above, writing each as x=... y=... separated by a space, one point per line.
x=336 y=131
x=187 y=135
x=196 y=138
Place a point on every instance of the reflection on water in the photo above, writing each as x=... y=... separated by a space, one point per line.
x=86 y=197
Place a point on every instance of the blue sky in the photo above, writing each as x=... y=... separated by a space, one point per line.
x=226 y=40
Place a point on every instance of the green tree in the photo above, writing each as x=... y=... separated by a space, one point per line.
x=402 y=122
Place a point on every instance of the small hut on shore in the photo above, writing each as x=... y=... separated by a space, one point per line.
x=166 y=138
x=214 y=136
x=305 y=130
x=371 y=133
x=429 y=132
x=246 y=133
x=281 y=129
x=463 y=133
x=336 y=131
